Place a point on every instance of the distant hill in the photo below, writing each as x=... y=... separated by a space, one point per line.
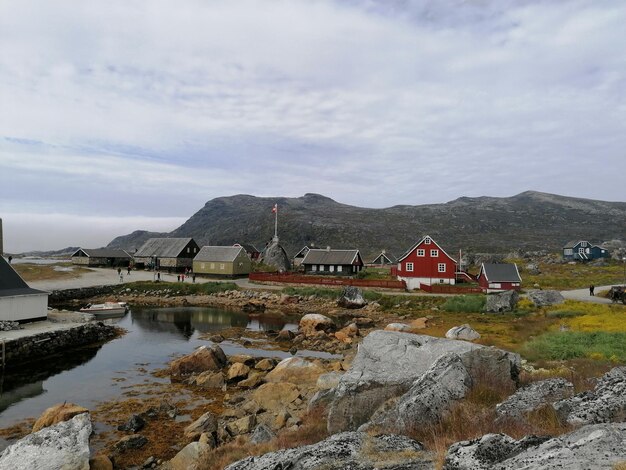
x=69 y=251
x=527 y=221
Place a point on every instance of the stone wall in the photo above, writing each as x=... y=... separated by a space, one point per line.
x=61 y=297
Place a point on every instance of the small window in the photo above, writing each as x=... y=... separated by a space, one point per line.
x=421 y=252
x=188 y=250
x=441 y=267
x=314 y=267
x=339 y=269
x=427 y=241
x=409 y=267
x=222 y=266
x=212 y=265
x=434 y=253
x=581 y=250
x=195 y=250
x=332 y=268
x=399 y=267
x=202 y=265
x=583 y=243
x=322 y=267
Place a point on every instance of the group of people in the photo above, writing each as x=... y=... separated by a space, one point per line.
x=180 y=277
x=187 y=273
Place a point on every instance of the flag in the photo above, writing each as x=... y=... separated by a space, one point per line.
x=275 y=209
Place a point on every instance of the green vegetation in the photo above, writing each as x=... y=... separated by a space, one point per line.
x=183 y=288
x=465 y=303
x=564 y=314
x=375 y=273
x=563 y=345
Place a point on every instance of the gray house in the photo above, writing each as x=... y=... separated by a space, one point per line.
x=332 y=262
x=18 y=302
x=101 y=257
x=173 y=254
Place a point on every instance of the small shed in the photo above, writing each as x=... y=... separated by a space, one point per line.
x=169 y=253
x=251 y=250
x=384 y=259
x=222 y=261
x=582 y=250
x=18 y=302
x=332 y=262
x=101 y=257
x=499 y=277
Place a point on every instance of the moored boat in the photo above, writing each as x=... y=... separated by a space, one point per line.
x=106 y=309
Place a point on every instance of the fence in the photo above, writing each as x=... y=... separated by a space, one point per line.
x=327 y=281
x=450 y=289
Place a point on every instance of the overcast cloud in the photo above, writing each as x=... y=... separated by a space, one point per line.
x=123 y=115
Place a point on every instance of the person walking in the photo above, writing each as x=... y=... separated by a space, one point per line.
x=121 y=276
x=178 y=278
x=591 y=289
x=159 y=276
x=193 y=277
x=119 y=271
x=129 y=269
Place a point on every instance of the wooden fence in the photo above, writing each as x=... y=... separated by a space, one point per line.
x=327 y=281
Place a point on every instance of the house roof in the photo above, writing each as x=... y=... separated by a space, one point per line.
x=163 y=247
x=102 y=253
x=250 y=248
x=219 y=254
x=300 y=253
x=408 y=252
x=384 y=254
x=335 y=257
x=11 y=283
x=501 y=272
x=572 y=243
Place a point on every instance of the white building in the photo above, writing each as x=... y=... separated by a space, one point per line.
x=18 y=302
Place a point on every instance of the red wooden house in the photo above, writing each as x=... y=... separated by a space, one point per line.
x=426 y=263
x=499 y=277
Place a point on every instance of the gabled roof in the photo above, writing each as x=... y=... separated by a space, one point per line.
x=572 y=243
x=163 y=247
x=388 y=256
x=433 y=242
x=501 y=272
x=302 y=253
x=102 y=253
x=219 y=254
x=250 y=248
x=334 y=257
x=11 y=283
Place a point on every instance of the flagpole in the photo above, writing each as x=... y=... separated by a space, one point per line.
x=275 y=222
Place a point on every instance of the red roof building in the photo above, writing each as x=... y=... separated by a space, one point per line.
x=426 y=263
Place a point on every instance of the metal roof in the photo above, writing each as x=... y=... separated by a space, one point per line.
x=11 y=283
x=162 y=247
x=408 y=252
x=334 y=257
x=384 y=254
x=219 y=254
x=250 y=248
x=573 y=243
x=103 y=253
x=501 y=272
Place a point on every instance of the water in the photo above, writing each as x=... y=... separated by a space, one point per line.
x=91 y=375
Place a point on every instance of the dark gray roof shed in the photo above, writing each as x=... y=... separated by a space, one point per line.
x=11 y=283
x=163 y=247
x=500 y=272
x=102 y=253
x=332 y=257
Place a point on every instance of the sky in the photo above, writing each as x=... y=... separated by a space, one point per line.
x=125 y=115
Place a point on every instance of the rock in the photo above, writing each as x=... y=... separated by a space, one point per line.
x=265 y=364
x=605 y=403
x=282 y=417
x=253 y=307
x=598 y=446
x=100 y=462
x=167 y=408
x=351 y=297
x=261 y=434
x=328 y=380
x=388 y=363
x=149 y=462
x=209 y=380
x=295 y=370
x=534 y=396
x=242 y=358
x=285 y=335
x=349 y=450
x=192 y=457
x=532 y=269
x=134 y=441
x=346 y=335
x=237 y=372
x=57 y=414
x=275 y=396
x=543 y=298
x=312 y=323
x=464 y=332
x=501 y=302
x=134 y=424
x=430 y=396
x=419 y=323
x=64 y=446
x=275 y=255
x=286 y=299
x=216 y=338
x=242 y=426
x=253 y=380
x=205 y=423
x=251 y=407
x=202 y=359
x=398 y=327
x=363 y=322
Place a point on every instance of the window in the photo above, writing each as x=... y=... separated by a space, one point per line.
x=581 y=250
x=195 y=250
x=339 y=269
x=409 y=267
x=421 y=252
x=314 y=267
x=569 y=251
x=495 y=285
x=441 y=267
x=321 y=267
x=583 y=243
x=399 y=267
x=222 y=266
x=332 y=268
x=434 y=253
x=188 y=250
x=427 y=241
x=202 y=265
x=212 y=265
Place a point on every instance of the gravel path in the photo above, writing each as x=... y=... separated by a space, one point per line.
x=583 y=295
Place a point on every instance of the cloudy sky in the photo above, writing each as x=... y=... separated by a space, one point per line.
x=125 y=115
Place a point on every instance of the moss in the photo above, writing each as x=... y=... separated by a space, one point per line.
x=465 y=303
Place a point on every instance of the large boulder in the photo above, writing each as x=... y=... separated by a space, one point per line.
x=276 y=396
x=543 y=298
x=351 y=297
x=533 y=397
x=203 y=359
x=388 y=363
x=350 y=450
x=605 y=403
x=192 y=457
x=64 y=446
x=464 y=332
x=501 y=302
x=207 y=423
x=295 y=370
x=57 y=414
x=312 y=323
x=275 y=255
x=599 y=446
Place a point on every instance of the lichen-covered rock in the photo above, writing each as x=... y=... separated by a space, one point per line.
x=207 y=423
x=57 y=414
x=328 y=380
x=64 y=446
x=192 y=457
x=543 y=298
x=203 y=359
x=261 y=434
x=398 y=327
x=501 y=302
x=351 y=297
x=295 y=370
x=464 y=332
x=349 y=450
x=275 y=396
x=237 y=371
x=604 y=404
x=347 y=334
x=209 y=379
x=275 y=255
x=534 y=396
x=312 y=323
x=242 y=425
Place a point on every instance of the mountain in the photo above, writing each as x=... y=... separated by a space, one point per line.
x=527 y=221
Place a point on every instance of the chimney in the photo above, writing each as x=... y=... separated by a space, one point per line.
x=327 y=248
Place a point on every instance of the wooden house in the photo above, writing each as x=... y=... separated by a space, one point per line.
x=426 y=263
x=499 y=277
x=332 y=262
x=101 y=257
x=222 y=261
x=582 y=250
x=251 y=250
x=384 y=259
x=18 y=302
x=174 y=254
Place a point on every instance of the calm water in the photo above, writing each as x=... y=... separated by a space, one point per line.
x=91 y=375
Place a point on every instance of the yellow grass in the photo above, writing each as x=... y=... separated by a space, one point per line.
x=45 y=272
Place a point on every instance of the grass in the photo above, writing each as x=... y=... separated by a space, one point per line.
x=465 y=303
x=45 y=272
x=184 y=288
x=375 y=273
x=564 y=345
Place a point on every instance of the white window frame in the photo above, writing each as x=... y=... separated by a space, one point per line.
x=441 y=267
x=322 y=267
x=222 y=266
x=421 y=252
x=314 y=267
x=581 y=251
x=427 y=241
x=188 y=249
x=332 y=268
x=339 y=268
x=569 y=251
x=409 y=267
x=212 y=265
x=434 y=253
x=583 y=243
x=399 y=267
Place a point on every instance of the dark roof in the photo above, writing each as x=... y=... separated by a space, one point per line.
x=572 y=244
x=220 y=254
x=390 y=258
x=250 y=248
x=408 y=252
x=102 y=253
x=163 y=247
x=334 y=257
x=11 y=283
x=501 y=272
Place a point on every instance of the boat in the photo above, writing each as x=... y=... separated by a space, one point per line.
x=106 y=309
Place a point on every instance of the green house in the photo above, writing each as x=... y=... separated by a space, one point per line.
x=222 y=261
